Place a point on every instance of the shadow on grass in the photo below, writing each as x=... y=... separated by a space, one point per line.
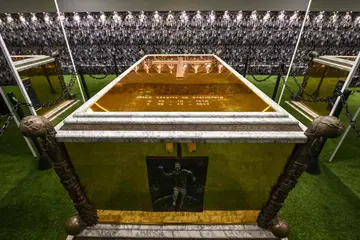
x=322 y=207
x=37 y=208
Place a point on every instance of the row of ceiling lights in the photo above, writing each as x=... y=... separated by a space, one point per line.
x=183 y=17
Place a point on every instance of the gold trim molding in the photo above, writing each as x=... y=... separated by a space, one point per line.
x=206 y=217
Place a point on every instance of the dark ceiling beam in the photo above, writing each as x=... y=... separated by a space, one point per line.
x=180 y=5
x=26 y=6
x=18 y=6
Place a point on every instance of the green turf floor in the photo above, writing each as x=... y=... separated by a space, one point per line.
x=93 y=85
x=33 y=205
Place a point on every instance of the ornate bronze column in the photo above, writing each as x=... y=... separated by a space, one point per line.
x=38 y=126
x=326 y=126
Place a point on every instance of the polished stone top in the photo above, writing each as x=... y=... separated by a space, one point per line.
x=271 y=124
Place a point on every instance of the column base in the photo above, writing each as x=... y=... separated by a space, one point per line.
x=74 y=225
x=280 y=229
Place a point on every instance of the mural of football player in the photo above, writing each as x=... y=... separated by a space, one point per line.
x=180 y=177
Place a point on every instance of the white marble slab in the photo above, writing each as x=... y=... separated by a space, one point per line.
x=181 y=136
x=176 y=231
x=182 y=114
x=188 y=120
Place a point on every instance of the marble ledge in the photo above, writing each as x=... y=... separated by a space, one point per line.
x=176 y=227
x=188 y=120
x=175 y=231
x=181 y=136
x=182 y=114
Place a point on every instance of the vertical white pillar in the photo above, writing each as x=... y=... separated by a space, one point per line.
x=69 y=50
x=344 y=134
x=180 y=68
x=16 y=75
x=347 y=82
x=16 y=121
x=295 y=50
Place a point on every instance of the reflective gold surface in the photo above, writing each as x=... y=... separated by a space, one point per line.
x=321 y=83
x=18 y=58
x=174 y=84
x=46 y=89
x=206 y=217
x=240 y=176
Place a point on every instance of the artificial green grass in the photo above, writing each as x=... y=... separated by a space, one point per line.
x=94 y=85
x=18 y=95
x=348 y=153
x=326 y=89
x=33 y=205
x=347 y=170
x=42 y=90
x=346 y=162
x=36 y=208
x=325 y=206
x=16 y=159
x=322 y=207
